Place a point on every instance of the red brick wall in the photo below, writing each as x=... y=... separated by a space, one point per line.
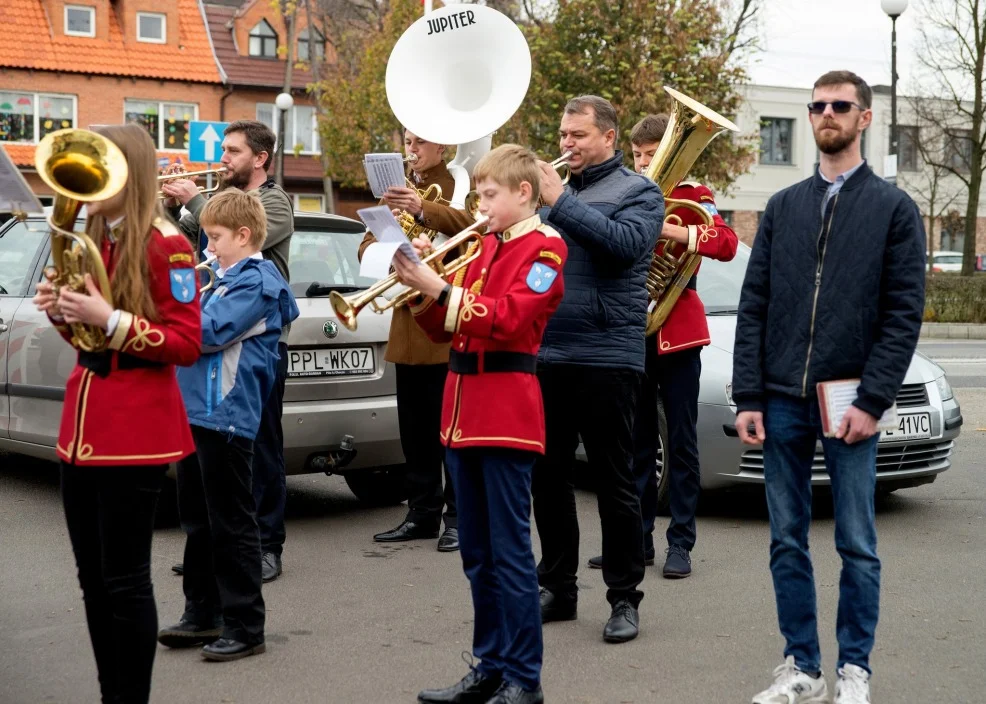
x=745 y=224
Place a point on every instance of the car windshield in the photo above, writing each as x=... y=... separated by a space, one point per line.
x=18 y=245
x=719 y=283
x=327 y=258
x=948 y=259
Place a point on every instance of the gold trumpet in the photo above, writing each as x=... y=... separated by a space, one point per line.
x=347 y=308
x=561 y=166
x=206 y=266
x=193 y=174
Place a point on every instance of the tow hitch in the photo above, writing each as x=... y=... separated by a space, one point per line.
x=334 y=460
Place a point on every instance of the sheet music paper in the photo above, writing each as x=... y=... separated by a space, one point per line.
x=377 y=257
x=384 y=171
x=835 y=398
x=15 y=194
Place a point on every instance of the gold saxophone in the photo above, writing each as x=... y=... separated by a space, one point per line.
x=691 y=128
x=79 y=166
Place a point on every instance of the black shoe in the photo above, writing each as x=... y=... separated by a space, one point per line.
x=596 y=562
x=678 y=564
x=623 y=624
x=186 y=634
x=270 y=566
x=449 y=542
x=178 y=568
x=226 y=649
x=512 y=693
x=474 y=688
x=408 y=530
x=557 y=608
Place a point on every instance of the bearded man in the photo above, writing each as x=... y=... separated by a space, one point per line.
x=834 y=291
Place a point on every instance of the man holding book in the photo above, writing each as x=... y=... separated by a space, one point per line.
x=834 y=291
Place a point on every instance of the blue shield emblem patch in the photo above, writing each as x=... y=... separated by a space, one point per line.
x=183 y=286
x=710 y=207
x=540 y=277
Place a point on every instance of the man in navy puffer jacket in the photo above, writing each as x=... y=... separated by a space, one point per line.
x=591 y=362
x=834 y=291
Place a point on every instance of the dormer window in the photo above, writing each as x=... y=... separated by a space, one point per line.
x=304 y=44
x=80 y=21
x=152 y=27
x=263 y=40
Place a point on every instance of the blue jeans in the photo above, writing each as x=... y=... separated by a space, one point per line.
x=792 y=426
x=493 y=490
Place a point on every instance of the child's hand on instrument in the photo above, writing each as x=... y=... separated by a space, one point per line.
x=419 y=277
x=422 y=245
x=89 y=308
x=46 y=300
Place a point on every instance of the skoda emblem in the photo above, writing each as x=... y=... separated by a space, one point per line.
x=330 y=329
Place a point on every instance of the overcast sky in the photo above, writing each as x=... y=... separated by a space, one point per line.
x=802 y=39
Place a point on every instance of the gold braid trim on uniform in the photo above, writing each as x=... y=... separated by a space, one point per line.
x=144 y=336
x=706 y=233
x=122 y=329
x=460 y=275
x=470 y=308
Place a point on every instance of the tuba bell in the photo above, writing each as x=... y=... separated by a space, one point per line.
x=80 y=167
x=691 y=127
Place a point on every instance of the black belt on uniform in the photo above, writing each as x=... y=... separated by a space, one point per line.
x=101 y=363
x=468 y=362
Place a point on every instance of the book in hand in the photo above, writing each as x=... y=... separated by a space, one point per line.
x=835 y=398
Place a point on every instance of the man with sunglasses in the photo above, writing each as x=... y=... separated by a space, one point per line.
x=834 y=290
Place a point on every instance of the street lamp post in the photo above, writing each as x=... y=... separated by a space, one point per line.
x=284 y=102
x=893 y=8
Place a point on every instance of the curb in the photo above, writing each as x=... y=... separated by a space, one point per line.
x=953 y=331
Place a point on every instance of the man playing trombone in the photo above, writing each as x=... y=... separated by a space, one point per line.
x=248 y=147
x=421 y=364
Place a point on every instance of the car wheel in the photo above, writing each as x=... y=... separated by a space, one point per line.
x=378 y=487
x=660 y=468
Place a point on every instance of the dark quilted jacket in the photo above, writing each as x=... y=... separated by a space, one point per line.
x=865 y=264
x=610 y=218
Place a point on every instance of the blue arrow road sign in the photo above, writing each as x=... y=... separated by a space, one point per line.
x=205 y=140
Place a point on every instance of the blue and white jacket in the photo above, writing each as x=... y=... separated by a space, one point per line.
x=242 y=317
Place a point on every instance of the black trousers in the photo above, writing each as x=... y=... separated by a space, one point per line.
x=222 y=577
x=674 y=378
x=599 y=404
x=110 y=516
x=419 y=414
x=269 y=485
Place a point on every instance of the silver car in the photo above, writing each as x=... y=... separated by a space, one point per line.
x=916 y=453
x=340 y=409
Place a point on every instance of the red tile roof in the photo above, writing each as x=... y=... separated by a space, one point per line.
x=246 y=70
x=29 y=42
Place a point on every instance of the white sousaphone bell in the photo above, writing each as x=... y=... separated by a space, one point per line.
x=456 y=76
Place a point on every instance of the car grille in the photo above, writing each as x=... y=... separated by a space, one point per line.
x=912 y=395
x=900 y=458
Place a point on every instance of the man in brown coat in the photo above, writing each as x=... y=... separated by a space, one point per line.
x=421 y=364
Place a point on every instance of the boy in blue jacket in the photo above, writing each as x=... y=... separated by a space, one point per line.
x=224 y=392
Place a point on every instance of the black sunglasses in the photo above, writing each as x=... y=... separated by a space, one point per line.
x=838 y=106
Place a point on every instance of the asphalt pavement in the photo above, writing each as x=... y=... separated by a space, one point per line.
x=351 y=621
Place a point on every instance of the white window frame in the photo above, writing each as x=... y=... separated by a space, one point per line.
x=92 y=21
x=37 y=111
x=263 y=40
x=316 y=148
x=164 y=28
x=792 y=134
x=296 y=199
x=160 y=117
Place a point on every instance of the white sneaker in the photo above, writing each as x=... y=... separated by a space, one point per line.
x=853 y=686
x=792 y=686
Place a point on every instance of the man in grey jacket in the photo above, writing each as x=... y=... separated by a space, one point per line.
x=248 y=148
x=591 y=362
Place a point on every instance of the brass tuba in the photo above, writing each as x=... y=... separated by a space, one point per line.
x=79 y=166
x=691 y=127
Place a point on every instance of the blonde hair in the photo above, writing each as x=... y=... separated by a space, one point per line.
x=129 y=285
x=510 y=165
x=234 y=209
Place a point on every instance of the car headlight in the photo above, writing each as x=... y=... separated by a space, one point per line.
x=944 y=388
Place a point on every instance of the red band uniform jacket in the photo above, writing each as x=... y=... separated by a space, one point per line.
x=501 y=304
x=131 y=412
x=686 y=325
